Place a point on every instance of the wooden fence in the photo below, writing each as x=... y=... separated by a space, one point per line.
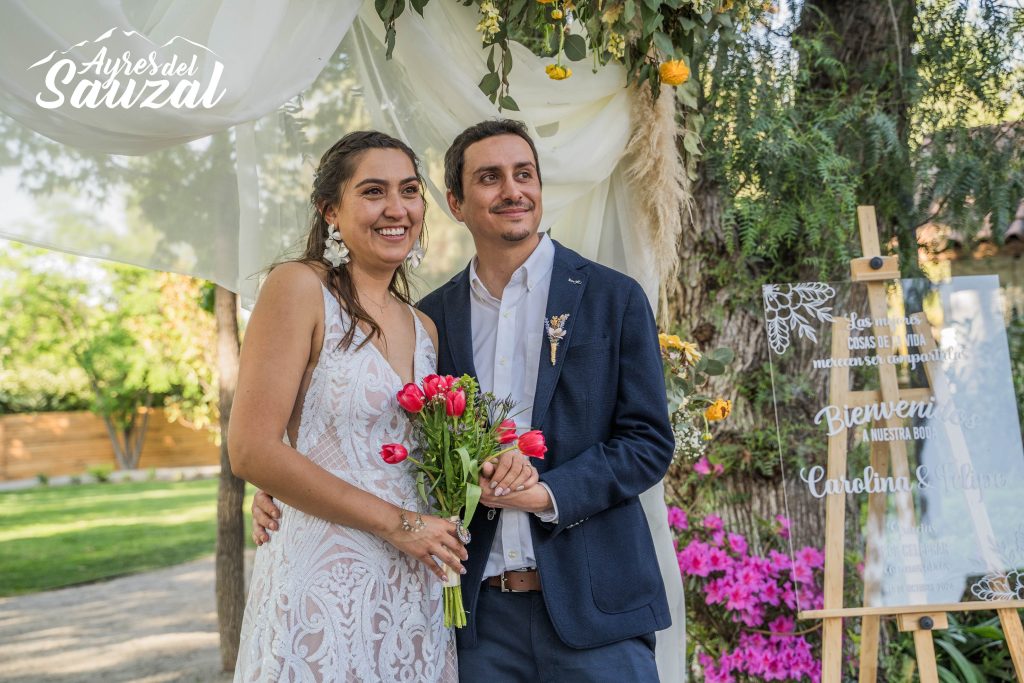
x=70 y=443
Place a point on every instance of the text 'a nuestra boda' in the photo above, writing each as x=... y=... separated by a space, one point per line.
x=124 y=82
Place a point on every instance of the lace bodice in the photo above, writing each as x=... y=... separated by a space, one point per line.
x=331 y=603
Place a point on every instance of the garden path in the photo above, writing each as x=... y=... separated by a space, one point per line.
x=155 y=627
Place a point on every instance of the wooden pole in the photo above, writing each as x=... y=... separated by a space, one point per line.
x=230 y=563
x=835 y=515
x=1014 y=634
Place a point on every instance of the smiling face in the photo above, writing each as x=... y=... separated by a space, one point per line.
x=380 y=213
x=501 y=191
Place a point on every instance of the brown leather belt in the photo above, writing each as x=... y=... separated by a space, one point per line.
x=527 y=581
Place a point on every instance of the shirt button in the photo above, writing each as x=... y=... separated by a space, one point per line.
x=501 y=361
x=512 y=554
x=506 y=314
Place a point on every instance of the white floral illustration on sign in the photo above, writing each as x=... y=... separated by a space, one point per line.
x=1000 y=586
x=790 y=308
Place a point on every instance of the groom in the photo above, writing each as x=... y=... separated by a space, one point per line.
x=562 y=581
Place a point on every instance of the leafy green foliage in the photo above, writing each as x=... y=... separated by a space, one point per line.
x=134 y=338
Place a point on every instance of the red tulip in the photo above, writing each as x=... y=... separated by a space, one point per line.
x=433 y=385
x=455 y=403
x=507 y=431
x=532 y=444
x=393 y=453
x=411 y=398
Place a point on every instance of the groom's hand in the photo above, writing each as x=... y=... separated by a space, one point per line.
x=535 y=499
x=264 y=516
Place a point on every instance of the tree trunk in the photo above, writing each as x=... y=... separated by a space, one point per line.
x=872 y=39
x=231 y=490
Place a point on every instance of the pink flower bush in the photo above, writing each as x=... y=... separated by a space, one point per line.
x=677 y=519
x=748 y=616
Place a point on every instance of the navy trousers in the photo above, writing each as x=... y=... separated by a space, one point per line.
x=517 y=643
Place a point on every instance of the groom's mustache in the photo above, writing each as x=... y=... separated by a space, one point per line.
x=509 y=204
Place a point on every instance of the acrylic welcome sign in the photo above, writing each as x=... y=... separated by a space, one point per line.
x=932 y=469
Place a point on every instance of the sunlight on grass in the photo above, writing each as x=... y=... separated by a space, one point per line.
x=60 y=536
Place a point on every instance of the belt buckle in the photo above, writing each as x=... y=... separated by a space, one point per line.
x=503 y=577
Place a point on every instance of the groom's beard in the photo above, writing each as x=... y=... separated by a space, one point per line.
x=515 y=234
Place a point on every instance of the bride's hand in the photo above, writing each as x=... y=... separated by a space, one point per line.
x=512 y=472
x=436 y=538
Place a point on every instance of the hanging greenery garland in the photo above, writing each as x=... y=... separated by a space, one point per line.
x=657 y=41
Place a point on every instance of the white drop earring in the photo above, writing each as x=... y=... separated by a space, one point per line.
x=415 y=257
x=335 y=251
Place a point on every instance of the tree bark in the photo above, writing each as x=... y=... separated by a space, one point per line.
x=231 y=490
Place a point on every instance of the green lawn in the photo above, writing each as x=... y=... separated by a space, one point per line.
x=59 y=536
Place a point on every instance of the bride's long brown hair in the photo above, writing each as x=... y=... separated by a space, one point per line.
x=337 y=166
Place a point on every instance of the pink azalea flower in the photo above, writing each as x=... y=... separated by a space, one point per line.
x=693 y=559
x=810 y=556
x=718 y=560
x=713 y=523
x=781 y=626
x=677 y=519
x=718 y=468
x=780 y=562
x=737 y=544
x=802 y=572
x=702 y=466
x=784 y=525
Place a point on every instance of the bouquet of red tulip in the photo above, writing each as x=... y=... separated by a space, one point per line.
x=458 y=429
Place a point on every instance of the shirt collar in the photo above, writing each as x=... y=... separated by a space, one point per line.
x=537 y=267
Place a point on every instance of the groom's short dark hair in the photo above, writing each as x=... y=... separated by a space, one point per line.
x=455 y=157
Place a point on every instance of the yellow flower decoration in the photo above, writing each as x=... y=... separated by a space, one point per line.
x=725 y=6
x=690 y=352
x=670 y=341
x=556 y=14
x=616 y=45
x=545 y=2
x=557 y=73
x=719 y=410
x=674 y=72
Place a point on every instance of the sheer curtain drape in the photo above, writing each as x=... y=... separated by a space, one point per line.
x=221 y=193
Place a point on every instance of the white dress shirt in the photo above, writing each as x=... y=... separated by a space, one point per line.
x=507 y=335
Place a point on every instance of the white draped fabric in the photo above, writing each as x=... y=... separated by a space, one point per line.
x=290 y=90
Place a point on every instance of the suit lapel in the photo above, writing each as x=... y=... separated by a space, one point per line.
x=458 y=325
x=568 y=283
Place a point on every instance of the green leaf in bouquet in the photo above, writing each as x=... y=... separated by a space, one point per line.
x=472 y=500
x=467 y=462
x=701 y=364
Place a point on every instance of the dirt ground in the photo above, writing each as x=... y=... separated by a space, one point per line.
x=157 y=627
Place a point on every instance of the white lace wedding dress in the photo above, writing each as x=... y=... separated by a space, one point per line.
x=327 y=602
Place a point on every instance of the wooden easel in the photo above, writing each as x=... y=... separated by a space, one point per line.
x=873 y=269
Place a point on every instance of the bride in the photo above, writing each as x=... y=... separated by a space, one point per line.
x=351 y=588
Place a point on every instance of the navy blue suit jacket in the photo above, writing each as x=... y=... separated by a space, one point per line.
x=602 y=410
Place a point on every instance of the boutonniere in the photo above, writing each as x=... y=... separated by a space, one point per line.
x=556 y=332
